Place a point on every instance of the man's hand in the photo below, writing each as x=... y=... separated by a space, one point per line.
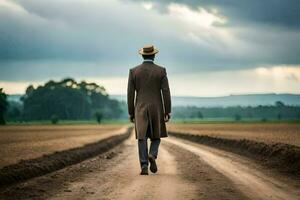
x=167 y=117
x=131 y=118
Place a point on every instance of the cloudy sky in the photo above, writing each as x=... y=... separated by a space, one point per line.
x=209 y=47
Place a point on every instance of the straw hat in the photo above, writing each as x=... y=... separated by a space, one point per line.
x=148 y=50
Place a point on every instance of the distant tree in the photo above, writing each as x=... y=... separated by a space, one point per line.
x=3 y=106
x=29 y=90
x=55 y=98
x=98 y=114
x=264 y=119
x=68 y=99
x=200 y=115
x=14 y=112
x=279 y=116
x=54 y=119
x=279 y=104
x=298 y=115
x=281 y=109
x=237 y=117
x=249 y=114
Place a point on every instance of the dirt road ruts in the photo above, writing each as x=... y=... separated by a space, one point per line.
x=186 y=171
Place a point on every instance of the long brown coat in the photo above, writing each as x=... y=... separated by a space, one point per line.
x=152 y=100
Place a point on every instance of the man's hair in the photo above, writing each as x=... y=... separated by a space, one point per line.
x=151 y=57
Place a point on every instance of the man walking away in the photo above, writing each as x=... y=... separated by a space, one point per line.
x=149 y=106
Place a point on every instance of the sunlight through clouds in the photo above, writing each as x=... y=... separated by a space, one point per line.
x=12 y=6
x=201 y=17
x=147 y=5
x=201 y=27
x=278 y=79
x=280 y=72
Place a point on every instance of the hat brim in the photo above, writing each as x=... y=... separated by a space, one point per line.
x=155 y=51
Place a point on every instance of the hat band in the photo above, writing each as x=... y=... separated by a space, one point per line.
x=148 y=50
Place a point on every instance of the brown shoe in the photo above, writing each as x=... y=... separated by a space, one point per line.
x=144 y=171
x=153 y=166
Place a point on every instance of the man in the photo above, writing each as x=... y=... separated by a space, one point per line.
x=149 y=106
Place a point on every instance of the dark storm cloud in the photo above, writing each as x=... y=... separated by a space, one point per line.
x=40 y=39
x=285 y=13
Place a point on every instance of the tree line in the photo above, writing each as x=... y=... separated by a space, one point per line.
x=62 y=100
x=264 y=112
x=71 y=100
x=3 y=106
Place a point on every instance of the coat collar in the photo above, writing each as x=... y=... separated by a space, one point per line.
x=148 y=61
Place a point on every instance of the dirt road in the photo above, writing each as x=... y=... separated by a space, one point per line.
x=249 y=178
x=186 y=171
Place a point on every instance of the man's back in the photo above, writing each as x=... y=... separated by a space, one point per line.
x=152 y=100
x=148 y=78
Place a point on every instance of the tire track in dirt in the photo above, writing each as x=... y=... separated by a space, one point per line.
x=166 y=184
x=251 y=182
x=48 y=163
x=183 y=174
x=172 y=181
x=285 y=158
x=124 y=182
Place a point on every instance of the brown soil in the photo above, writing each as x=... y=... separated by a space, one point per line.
x=186 y=170
x=23 y=142
x=26 y=169
x=250 y=178
x=115 y=175
x=210 y=183
x=260 y=132
x=284 y=157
